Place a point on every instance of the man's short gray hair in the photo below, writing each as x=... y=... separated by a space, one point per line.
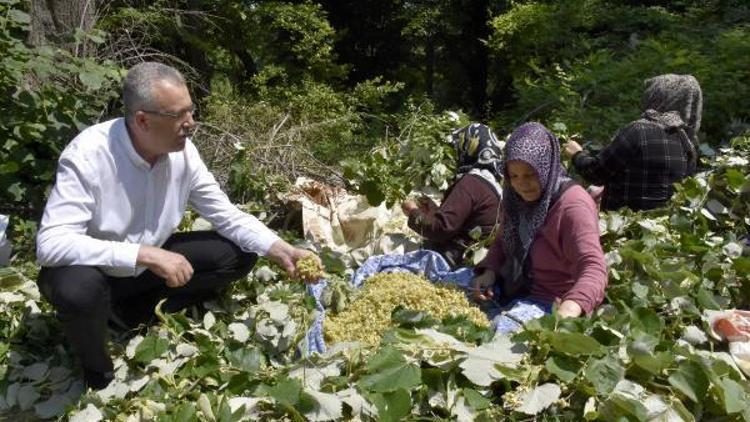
x=137 y=92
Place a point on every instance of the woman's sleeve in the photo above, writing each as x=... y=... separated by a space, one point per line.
x=612 y=160
x=580 y=242
x=449 y=218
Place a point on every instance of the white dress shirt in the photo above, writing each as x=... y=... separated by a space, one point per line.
x=107 y=201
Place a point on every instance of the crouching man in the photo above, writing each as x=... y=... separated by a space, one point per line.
x=106 y=242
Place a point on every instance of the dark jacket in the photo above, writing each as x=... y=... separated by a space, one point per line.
x=640 y=166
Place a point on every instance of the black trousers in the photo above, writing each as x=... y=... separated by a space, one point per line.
x=84 y=296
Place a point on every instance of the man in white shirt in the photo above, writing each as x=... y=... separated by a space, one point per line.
x=106 y=239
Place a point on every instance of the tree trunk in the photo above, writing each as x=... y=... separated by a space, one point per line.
x=430 y=68
x=55 y=22
x=477 y=66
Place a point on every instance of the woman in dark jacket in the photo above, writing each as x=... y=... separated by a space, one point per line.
x=472 y=202
x=646 y=157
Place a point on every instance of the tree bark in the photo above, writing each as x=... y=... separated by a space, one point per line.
x=478 y=64
x=55 y=22
x=430 y=68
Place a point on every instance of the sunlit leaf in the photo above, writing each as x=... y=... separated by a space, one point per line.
x=538 y=399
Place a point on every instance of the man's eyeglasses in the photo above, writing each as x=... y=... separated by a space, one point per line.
x=174 y=114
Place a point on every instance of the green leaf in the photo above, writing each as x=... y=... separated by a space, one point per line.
x=538 y=399
x=204 y=365
x=393 y=406
x=589 y=409
x=372 y=191
x=204 y=404
x=639 y=290
x=574 y=344
x=389 y=371
x=563 y=367
x=741 y=265
x=150 y=348
x=17 y=191
x=733 y=395
x=481 y=363
x=10 y=279
x=654 y=363
x=97 y=37
x=412 y=319
x=706 y=299
x=604 y=374
x=735 y=178
x=646 y=321
x=92 y=78
x=475 y=400
x=9 y=167
x=331 y=262
x=286 y=392
x=247 y=359
x=19 y=16
x=518 y=373
x=642 y=344
x=225 y=412
x=690 y=380
x=622 y=406
x=460 y=327
x=327 y=407
x=606 y=335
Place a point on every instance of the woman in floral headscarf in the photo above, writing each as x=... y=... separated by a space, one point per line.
x=470 y=203
x=639 y=168
x=548 y=250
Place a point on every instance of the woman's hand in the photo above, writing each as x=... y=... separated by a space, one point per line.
x=569 y=309
x=409 y=207
x=572 y=148
x=482 y=286
x=427 y=205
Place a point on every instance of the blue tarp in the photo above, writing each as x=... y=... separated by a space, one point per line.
x=434 y=267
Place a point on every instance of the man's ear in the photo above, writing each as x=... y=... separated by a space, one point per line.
x=141 y=121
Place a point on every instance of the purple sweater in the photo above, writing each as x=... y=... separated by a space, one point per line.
x=470 y=202
x=567 y=261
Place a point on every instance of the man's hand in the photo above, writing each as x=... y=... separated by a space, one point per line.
x=482 y=286
x=572 y=148
x=172 y=267
x=286 y=256
x=569 y=309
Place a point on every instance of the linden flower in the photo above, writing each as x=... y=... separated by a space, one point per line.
x=309 y=268
x=366 y=318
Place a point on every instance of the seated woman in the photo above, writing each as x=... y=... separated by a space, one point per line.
x=649 y=155
x=472 y=201
x=548 y=248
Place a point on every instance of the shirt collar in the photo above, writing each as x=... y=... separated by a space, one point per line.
x=127 y=142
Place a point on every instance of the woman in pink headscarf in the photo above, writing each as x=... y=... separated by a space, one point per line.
x=548 y=250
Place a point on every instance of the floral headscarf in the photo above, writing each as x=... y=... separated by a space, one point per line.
x=536 y=146
x=478 y=152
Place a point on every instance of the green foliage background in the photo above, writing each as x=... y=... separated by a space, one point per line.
x=348 y=77
x=363 y=94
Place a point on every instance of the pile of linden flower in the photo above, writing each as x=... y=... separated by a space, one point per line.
x=366 y=318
